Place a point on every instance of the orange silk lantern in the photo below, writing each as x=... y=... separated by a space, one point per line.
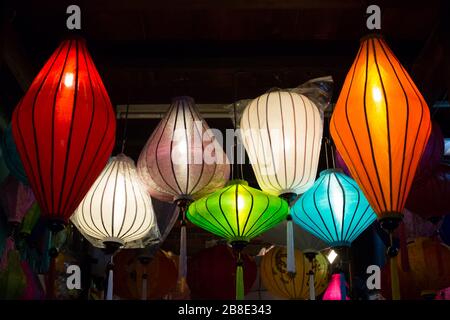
x=380 y=125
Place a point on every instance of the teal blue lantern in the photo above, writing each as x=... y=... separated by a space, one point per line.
x=334 y=209
x=11 y=157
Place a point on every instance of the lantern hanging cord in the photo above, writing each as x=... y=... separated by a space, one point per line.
x=326 y=153
x=235 y=165
x=125 y=126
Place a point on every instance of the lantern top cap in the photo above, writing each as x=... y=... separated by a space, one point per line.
x=334 y=170
x=373 y=35
x=74 y=36
x=123 y=157
x=183 y=98
x=237 y=181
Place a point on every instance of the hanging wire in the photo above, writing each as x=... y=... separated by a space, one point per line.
x=326 y=152
x=125 y=126
x=235 y=119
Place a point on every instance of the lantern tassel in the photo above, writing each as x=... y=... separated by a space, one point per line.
x=182 y=259
x=239 y=279
x=290 y=246
x=312 y=289
x=109 y=288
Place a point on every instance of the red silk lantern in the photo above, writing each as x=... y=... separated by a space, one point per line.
x=429 y=198
x=211 y=273
x=64 y=129
x=139 y=277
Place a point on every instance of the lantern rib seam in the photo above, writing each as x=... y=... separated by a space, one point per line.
x=388 y=124
x=87 y=135
x=44 y=202
x=169 y=114
x=368 y=130
x=400 y=187
x=353 y=134
x=69 y=142
x=52 y=184
x=270 y=141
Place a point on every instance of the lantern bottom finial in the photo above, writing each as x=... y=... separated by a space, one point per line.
x=56 y=225
x=289 y=197
x=391 y=220
x=111 y=246
x=239 y=245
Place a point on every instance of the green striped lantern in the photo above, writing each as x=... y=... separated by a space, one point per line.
x=238 y=213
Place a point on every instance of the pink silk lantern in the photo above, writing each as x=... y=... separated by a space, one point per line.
x=33 y=289
x=429 y=198
x=443 y=294
x=337 y=288
x=182 y=158
x=16 y=199
x=182 y=161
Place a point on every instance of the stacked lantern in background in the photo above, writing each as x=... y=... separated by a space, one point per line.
x=144 y=280
x=431 y=157
x=428 y=271
x=282 y=133
x=16 y=199
x=429 y=197
x=444 y=230
x=12 y=158
x=279 y=282
x=211 y=273
x=380 y=126
x=181 y=162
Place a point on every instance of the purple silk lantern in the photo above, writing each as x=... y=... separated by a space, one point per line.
x=340 y=163
x=431 y=155
x=16 y=199
x=416 y=227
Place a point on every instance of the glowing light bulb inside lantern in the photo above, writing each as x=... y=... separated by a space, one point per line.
x=376 y=94
x=180 y=154
x=68 y=79
x=240 y=203
x=337 y=201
